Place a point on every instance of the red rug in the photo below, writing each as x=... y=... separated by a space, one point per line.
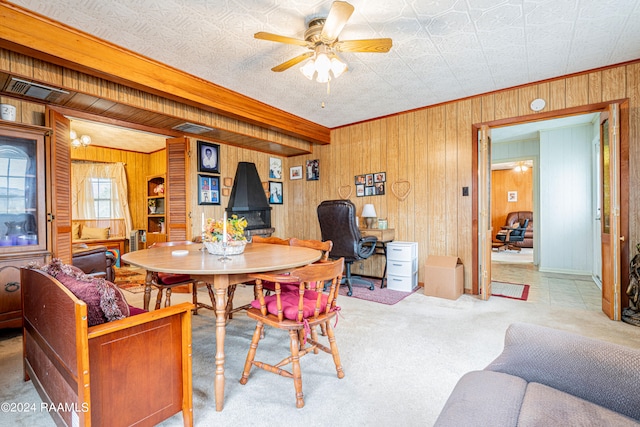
x=379 y=295
x=130 y=279
x=510 y=290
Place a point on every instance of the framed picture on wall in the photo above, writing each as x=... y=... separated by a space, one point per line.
x=208 y=157
x=275 y=168
x=295 y=172
x=275 y=193
x=208 y=190
x=313 y=170
x=512 y=196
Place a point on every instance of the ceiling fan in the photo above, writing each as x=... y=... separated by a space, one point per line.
x=321 y=38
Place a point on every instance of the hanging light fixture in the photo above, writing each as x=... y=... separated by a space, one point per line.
x=521 y=167
x=324 y=65
x=81 y=141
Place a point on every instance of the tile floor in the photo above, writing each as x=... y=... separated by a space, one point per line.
x=554 y=289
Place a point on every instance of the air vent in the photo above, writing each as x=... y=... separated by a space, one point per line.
x=34 y=90
x=192 y=128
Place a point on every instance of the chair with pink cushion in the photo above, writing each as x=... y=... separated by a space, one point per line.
x=298 y=312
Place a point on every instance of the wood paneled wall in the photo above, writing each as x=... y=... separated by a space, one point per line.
x=503 y=181
x=432 y=148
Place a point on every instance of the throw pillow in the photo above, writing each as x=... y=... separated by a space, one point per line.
x=95 y=233
x=105 y=301
x=75 y=231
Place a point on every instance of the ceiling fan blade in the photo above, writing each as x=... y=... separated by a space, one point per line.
x=280 y=39
x=293 y=61
x=369 y=45
x=338 y=16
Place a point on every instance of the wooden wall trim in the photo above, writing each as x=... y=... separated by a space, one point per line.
x=54 y=42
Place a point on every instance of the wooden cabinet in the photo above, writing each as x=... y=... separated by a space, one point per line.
x=23 y=225
x=156 y=209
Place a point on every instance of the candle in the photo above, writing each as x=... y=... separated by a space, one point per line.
x=224 y=228
x=203 y=222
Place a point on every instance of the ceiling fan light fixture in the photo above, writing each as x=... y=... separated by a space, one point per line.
x=337 y=67
x=309 y=69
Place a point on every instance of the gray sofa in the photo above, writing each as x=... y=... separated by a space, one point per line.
x=548 y=377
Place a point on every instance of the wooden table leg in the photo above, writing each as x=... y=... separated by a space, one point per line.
x=221 y=283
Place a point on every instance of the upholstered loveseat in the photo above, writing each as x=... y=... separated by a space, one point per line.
x=520 y=216
x=548 y=377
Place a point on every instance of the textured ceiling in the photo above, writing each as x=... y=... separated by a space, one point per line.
x=442 y=50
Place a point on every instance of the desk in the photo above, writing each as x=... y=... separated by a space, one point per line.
x=257 y=258
x=384 y=237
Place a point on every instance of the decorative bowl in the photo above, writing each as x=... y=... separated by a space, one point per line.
x=234 y=247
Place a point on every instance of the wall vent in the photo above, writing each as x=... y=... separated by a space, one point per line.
x=34 y=90
x=192 y=128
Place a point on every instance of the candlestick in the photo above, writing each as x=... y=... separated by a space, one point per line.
x=224 y=228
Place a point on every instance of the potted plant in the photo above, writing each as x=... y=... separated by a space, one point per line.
x=152 y=206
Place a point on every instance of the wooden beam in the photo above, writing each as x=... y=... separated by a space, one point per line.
x=42 y=38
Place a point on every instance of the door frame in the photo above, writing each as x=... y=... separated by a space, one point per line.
x=624 y=182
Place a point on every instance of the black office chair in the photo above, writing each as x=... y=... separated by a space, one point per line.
x=510 y=235
x=338 y=223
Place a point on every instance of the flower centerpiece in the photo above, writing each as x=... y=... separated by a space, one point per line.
x=229 y=231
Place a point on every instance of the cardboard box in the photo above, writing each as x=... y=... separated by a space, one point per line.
x=444 y=277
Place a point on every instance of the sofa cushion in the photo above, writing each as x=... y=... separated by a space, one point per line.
x=546 y=406
x=484 y=398
x=94 y=233
x=105 y=301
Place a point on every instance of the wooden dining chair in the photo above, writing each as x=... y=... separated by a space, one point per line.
x=232 y=288
x=165 y=282
x=325 y=247
x=298 y=312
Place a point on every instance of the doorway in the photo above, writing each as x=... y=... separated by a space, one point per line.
x=546 y=201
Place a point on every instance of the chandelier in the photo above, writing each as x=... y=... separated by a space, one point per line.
x=81 y=141
x=324 y=65
x=521 y=167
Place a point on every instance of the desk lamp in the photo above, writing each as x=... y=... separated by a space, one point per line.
x=368 y=213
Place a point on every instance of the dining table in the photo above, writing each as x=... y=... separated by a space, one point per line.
x=197 y=262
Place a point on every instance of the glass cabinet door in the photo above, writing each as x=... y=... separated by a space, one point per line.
x=22 y=196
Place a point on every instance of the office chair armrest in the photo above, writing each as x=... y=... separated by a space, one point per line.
x=367 y=246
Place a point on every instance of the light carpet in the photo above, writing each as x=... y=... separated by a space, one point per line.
x=401 y=361
x=510 y=290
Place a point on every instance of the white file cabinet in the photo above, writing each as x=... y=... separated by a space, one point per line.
x=402 y=266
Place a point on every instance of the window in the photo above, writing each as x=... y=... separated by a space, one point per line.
x=102 y=197
x=15 y=182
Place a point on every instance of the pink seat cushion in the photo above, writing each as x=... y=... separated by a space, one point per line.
x=290 y=304
x=172 y=279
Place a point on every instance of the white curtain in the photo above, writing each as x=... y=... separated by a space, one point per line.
x=82 y=200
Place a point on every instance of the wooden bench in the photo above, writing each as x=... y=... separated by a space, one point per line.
x=117 y=233
x=136 y=370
